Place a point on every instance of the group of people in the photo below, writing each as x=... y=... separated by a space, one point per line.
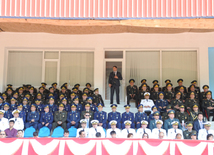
x=162 y=112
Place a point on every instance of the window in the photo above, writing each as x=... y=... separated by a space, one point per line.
x=142 y=65
x=77 y=67
x=179 y=64
x=161 y=65
x=34 y=67
x=24 y=68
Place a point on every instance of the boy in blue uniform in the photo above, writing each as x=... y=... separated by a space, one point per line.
x=52 y=107
x=32 y=117
x=151 y=116
x=79 y=106
x=139 y=116
x=161 y=103
x=26 y=107
x=46 y=118
x=7 y=113
x=168 y=122
x=22 y=114
x=128 y=116
x=13 y=105
x=114 y=115
x=66 y=105
x=73 y=117
x=93 y=106
x=39 y=106
x=101 y=116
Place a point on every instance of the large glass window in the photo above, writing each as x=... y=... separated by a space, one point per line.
x=77 y=67
x=24 y=68
x=34 y=67
x=142 y=65
x=161 y=65
x=179 y=64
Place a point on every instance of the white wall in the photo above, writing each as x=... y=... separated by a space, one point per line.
x=99 y=42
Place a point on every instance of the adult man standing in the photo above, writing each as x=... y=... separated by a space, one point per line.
x=114 y=83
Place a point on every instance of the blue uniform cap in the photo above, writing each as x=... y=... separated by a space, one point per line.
x=154 y=107
x=51 y=88
x=6 y=104
x=113 y=106
x=100 y=105
x=1 y=98
x=25 y=98
x=20 y=105
x=89 y=98
x=64 y=99
x=44 y=132
x=76 y=98
x=127 y=106
x=33 y=105
x=171 y=112
x=73 y=105
x=12 y=98
x=156 y=113
x=140 y=106
x=51 y=98
x=160 y=93
x=46 y=106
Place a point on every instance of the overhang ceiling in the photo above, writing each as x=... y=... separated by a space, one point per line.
x=106 y=26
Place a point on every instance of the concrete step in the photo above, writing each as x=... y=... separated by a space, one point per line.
x=120 y=107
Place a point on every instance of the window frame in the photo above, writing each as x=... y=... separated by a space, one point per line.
x=43 y=50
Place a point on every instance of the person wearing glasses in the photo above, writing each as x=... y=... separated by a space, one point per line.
x=2 y=134
x=88 y=120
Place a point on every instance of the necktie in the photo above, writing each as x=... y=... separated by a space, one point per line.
x=207 y=132
x=175 y=130
x=144 y=131
x=201 y=125
x=87 y=124
x=95 y=130
x=15 y=119
x=159 y=131
x=128 y=131
x=83 y=129
x=0 y=120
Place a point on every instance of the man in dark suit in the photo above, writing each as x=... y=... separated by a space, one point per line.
x=114 y=83
x=198 y=123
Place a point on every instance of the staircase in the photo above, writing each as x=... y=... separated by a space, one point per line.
x=120 y=107
x=133 y=109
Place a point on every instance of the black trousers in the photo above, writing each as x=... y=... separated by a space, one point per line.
x=116 y=88
x=134 y=98
x=209 y=113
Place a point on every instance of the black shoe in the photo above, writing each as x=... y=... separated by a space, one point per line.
x=118 y=103
x=111 y=103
